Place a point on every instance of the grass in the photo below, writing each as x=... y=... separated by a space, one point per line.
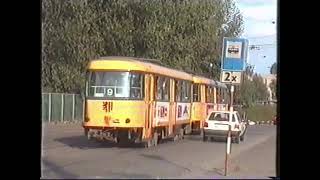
x=261 y=112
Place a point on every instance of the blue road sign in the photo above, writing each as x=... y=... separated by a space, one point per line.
x=234 y=54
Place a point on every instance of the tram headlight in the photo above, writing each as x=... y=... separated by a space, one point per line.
x=86 y=119
x=127 y=120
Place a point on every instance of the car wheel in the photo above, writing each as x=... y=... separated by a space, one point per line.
x=181 y=134
x=243 y=135
x=212 y=139
x=204 y=137
x=242 y=138
x=155 y=139
x=148 y=143
x=237 y=139
x=201 y=132
x=87 y=134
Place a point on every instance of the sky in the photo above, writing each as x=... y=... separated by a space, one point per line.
x=258 y=16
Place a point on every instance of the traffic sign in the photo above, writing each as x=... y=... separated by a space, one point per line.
x=231 y=77
x=234 y=54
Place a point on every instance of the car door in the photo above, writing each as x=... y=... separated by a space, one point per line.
x=241 y=123
x=233 y=121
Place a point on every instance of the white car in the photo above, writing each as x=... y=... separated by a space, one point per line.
x=217 y=125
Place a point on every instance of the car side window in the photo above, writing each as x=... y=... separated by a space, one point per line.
x=238 y=116
x=234 y=118
x=219 y=116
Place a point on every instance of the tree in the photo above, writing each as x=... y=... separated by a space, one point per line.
x=273 y=69
x=182 y=34
x=261 y=91
x=252 y=89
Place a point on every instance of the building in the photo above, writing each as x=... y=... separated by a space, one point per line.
x=267 y=79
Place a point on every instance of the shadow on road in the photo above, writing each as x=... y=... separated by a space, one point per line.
x=82 y=143
x=199 y=138
x=219 y=171
x=53 y=168
x=128 y=176
x=159 y=158
x=54 y=171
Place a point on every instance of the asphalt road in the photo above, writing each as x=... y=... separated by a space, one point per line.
x=66 y=153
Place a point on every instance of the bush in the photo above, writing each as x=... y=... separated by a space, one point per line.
x=261 y=112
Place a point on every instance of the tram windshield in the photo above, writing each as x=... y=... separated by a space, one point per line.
x=115 y=85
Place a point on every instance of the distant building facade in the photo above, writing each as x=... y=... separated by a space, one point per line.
x=267 y=79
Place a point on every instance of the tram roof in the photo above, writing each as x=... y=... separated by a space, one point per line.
x=123 y=63
x=204 y=80
x=220 y=84
x=136 y=64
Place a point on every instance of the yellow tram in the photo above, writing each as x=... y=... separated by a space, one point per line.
x=131 y=99
x=208 y=95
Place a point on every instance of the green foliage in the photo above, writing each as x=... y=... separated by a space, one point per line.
x=184 y=34
x=261 y=112
x=251 y=90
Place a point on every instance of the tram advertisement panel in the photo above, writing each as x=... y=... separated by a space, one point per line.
x=183 y=111
x=210 y=107
x=162 y=112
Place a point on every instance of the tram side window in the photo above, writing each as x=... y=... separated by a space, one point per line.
x=178 y=90
x=212 y=94
x=222 y=96
x=162 y=88
x=166 y=89
x=209 y=94
x=225 y=96
x=186 y=91
x=219 y=95
x=183 y=91
x=136 y=86
x=223 y=93
x=196 y=93
x=158 y=88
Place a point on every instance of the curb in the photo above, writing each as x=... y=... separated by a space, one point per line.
x=62 y=123
x=264 y=123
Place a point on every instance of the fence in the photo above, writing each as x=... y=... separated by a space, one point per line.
x=57 y=107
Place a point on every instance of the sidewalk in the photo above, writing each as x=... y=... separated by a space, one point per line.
x=259 y=162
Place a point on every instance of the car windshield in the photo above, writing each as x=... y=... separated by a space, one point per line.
x=219 y=116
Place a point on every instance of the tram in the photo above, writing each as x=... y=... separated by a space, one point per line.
x=136 y=100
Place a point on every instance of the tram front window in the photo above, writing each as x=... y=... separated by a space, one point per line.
x=115 y=85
